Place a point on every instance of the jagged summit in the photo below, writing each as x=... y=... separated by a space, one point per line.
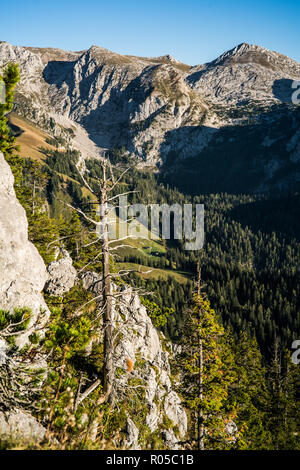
x=244 y=47
x=168 y=58
x=103 y=56
x=94 y=49
x=247 y=54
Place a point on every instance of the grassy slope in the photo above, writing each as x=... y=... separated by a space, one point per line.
x=147 y=272
x=29 y=137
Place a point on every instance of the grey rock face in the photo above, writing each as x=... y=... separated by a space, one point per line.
x=231 y=428
x=142 y=345
x=139 y=342
x=23 y=273
x=175 y=412
x=3 y=352
x=132 y=436
x=170 y=439
x=246 y=73
x=22 y=278
x=61 y=276
x=20 y=426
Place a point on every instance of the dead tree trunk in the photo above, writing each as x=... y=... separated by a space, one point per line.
x=107 y=292
x=104 y=187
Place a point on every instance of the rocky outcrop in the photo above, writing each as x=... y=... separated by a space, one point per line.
x=132 y=436
x=23 y=272
x=61 y=275
x=21 y=427
x=22 y=278
x=3 y=352
x=246 y=73
x=141 y=358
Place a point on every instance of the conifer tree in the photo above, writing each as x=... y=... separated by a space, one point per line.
x=9 y=79
x=205 y=376
x=284 y=399
x=250 y=393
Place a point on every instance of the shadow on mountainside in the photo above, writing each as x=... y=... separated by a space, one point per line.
x=237 y=159
x=272 y=215
x=57 y=71
x=282 y=90
x=107 y=121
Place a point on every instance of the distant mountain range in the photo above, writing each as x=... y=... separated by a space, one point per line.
x=226 y=126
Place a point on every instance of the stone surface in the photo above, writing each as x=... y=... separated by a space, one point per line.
x=231 y=428
x=170 y=439
x=22 y=278
x=139 y=341
x=23 y=272
x=61 y=276
x=20 y=426
x=132 y=435
x=3 y=352
x=175 y=411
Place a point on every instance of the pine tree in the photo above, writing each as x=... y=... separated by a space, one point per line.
x=283 y=405
x=9 y=78
x=250 y=393
x=205 y=375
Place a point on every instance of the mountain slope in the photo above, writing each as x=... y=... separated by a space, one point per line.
x=245 y=74
x=162 y=112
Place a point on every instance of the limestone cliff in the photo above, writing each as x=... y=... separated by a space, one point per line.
x=23 y=276
x=23 y=272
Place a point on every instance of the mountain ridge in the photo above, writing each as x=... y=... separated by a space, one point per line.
x=158 y=110
x=239 y=49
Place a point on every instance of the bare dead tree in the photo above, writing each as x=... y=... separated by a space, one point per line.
x=106 y=296
x=104 y=187
x=106 y=288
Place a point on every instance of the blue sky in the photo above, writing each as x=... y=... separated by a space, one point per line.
x=192 y=31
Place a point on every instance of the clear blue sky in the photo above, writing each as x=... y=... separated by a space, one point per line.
x=194 y=31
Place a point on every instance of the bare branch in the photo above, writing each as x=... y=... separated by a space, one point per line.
x=80 y=212
x=85 y=182
x=88 y=392
x=121 y=194
x=119 y=179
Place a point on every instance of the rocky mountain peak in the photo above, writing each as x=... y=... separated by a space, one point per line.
x=104 y=56
x=252 y=54
x=23 y=273
x=168 y=58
